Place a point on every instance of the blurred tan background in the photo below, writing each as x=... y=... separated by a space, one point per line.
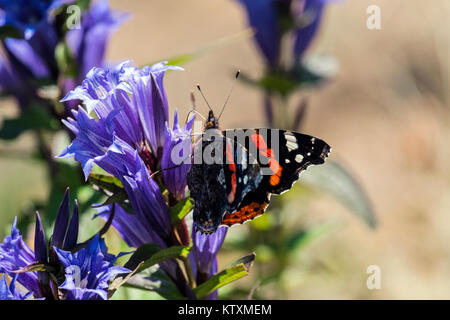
x=386 y=114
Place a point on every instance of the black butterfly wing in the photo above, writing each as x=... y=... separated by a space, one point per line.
x=282 y=155
x=241 y=174
x=220 y=181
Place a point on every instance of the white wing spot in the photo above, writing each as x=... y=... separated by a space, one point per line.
x=245 y=180
x=287 y=161
x=292 y=145
x=308 y=154
x=299 y=158
x=221 y=177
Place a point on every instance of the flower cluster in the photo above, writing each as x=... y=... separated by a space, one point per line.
x=129 y=137
x=62 y=270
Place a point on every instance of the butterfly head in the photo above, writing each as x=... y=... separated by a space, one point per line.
x=212 y=122
x=206 y=224
x=208 y=213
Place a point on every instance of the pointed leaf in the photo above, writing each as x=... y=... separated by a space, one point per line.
x=220 y=43
x=117 y=197
x=220 y=279
x=105 y=182
x=246 y=260
x=180 y=210
x=302 y=238
x=339 y=182
x=119 y=281
x=34 y=267
x=150 y=255
x=156 y=281
x=142 y=253
x=33 y=117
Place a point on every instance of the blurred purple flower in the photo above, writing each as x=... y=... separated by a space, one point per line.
x=32 y=57
x=313 y=9
x=11 y=293
x=88 y=42
x=263 y=18
x=271 y=19
x=88 y=271
x=27 y=15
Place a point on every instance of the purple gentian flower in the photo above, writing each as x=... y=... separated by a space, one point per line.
x=145 y=197
x=136 y=230
x=130 y=105
x=204 y=252
x=93 y=261
x=88 y=271
x=272 y=18
x=132 y=110
x=14 y=255
x=127 y=139
x=11 y=293
x=175 y=172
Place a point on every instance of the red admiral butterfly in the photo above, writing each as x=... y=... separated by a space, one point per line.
x=235 y=172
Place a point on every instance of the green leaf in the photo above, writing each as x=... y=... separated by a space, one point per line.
x=185 y=58
x=34 y=267
x=9 y=32
x=280 y=82
x=246 y=260
x=143 y=253
x=317 y=67
x=65 y=60
x=106 y=182
x=311 y=71
x=220 y=279
x=117 y=197
x=119 y=281
x=339 y=182
x=180 y=210
x=33 y=117
x=303 y=238
x=151 y=254
x=157 y=281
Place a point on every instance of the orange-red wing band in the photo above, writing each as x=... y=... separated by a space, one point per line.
x=232 y=168
x=246 y=213
x=273 y=163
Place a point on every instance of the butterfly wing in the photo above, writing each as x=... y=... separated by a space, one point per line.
x=241 y=175
x=282 y=155
x=220 y=181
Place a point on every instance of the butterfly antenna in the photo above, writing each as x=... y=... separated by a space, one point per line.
x=229 y=94
x=199 y=89
x=193 y=110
